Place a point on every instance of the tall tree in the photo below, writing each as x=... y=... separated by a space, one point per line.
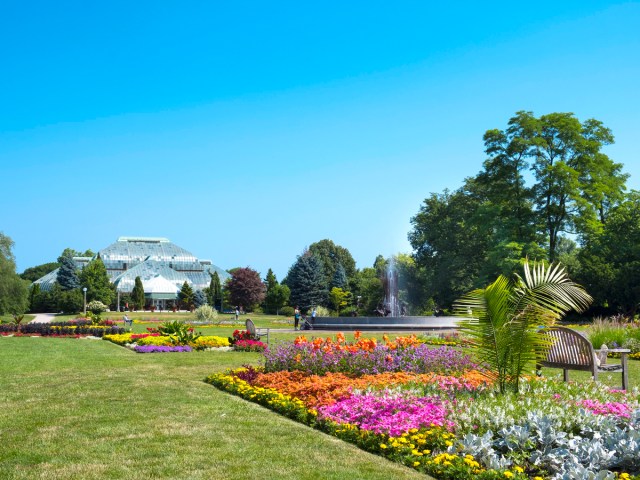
x=449 y=244
x=137 y=294
x=502 y=182
x=215 y=291
x=68 y=273
x=339 y=279
x=331 y=255
x=246 y=288
x=610 y=260
x=95 y=278
x=571 y=174
x=14 y=292
x=307 y=282
x=276 y=295
x=186 y=296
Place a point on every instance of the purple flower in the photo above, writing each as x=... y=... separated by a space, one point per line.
x=161 y=349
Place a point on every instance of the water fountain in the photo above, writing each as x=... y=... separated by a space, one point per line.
x=390 y=312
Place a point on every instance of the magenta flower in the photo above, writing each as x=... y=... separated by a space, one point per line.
x=390 y=414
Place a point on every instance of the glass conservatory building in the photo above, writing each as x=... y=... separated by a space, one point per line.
x=162 y=266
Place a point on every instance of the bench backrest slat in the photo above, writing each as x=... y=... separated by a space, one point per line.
x=568 y=348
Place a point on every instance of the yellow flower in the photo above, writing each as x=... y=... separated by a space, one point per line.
x=508 y=474
x=518 y=469
x=448 y=443
x=415 y=464
x=383 y=446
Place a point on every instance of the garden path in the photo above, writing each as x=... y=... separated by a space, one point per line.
x=43 y=318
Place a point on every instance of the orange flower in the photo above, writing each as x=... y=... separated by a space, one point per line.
x=340 y=337
x=357 y=334
x=301 y=339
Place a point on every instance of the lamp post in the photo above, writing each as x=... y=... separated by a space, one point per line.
x=84 y=290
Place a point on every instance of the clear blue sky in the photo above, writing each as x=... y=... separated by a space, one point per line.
x=245 y=131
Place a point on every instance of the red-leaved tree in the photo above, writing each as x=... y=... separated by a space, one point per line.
x=246 y=288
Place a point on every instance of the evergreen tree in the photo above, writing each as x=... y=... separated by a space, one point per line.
x=186 y=296
x=68 y=273
x=340 y=278
x=330 y=255
x=14 y=292
x=215 y=291
x=95 y=278
x=199 y=298
x=307 y=282
x=34 y=298
x=137 y=294
x=277 y=296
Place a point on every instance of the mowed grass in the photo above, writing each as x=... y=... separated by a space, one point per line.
x=85 y=409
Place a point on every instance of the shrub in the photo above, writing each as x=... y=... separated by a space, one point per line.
x=322 y=311
x=96 y=307
x=206 y=313
x=286 y=311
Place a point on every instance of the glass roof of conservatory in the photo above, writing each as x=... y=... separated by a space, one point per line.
x=149 y=258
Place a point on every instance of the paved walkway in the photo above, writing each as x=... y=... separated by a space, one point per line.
x=44 y=318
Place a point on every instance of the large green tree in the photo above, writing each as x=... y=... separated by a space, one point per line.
x=34 y=273
x=576 y=184
x=610 y=259
x=14 y=292
x=276 y=295
x=332 y=255
x=449 y=243
x=307 y=281
x=96 y=280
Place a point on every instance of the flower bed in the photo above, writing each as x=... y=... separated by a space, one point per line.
x=161 y=349
x=449 y=424
x=61 y=329
x=135 y=340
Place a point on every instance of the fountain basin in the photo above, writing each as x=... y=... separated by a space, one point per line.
x=384 y=323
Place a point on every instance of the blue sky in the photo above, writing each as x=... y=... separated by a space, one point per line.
x=245 y=131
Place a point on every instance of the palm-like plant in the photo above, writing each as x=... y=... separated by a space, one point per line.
x=502 y=319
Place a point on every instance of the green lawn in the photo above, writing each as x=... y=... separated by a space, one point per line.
x=83 y=409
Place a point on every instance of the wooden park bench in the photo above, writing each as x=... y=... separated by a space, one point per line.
x=256 y=333
x=571 y=351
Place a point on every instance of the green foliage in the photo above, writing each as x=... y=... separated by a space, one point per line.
x=286 y=311
x=450 y=243
x=276 y=296
x=206 y=313
x=137 y=294
x=95 y=278
x=67 y=274
x=368 y=287
x=35 y=273
x=307 y=282
x=610 y=260
x=339 y=279
x=14 y=293
x=70 y=301
x=180 y=333
x=332 y=255
x=185 y=296
x=215 y=291
x=502 y=319
x=199 y=298
x=338 y=298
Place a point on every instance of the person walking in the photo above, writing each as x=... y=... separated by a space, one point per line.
x=314 y=314
x=237 y=313
x=296 y=318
